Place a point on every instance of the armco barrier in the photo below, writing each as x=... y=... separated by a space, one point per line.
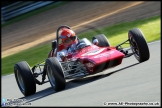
x=21 y=7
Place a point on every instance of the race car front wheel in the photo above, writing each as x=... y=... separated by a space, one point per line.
x=24 y=78
x=138 y=45
x=55 y=73
x=102 y=40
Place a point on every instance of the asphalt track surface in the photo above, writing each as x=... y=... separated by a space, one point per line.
x=130 y=82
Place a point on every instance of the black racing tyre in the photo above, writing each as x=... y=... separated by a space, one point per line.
x=55 y=73
x=102 y=40
x=138 y=45
x=24 y=78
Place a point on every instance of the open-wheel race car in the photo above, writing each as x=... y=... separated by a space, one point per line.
x=89 y=57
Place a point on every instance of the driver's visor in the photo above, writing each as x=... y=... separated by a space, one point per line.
x=63 y=37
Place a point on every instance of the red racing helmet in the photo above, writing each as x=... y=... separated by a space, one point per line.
x=68 y=36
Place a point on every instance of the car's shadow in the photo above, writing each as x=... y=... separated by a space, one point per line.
x=70 y=85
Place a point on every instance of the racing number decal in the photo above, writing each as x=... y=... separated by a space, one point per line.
x=93 y=52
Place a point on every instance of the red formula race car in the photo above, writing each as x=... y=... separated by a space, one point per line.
x=86 y=59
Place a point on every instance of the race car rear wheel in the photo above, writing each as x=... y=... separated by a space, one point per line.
x=138 y=45
x=55 y=74
x=102 y=40
x=24 y=78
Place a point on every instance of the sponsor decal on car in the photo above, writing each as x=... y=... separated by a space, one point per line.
x=105 y=54
x=93 y=52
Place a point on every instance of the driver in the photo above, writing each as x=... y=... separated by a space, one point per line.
x=69 y=42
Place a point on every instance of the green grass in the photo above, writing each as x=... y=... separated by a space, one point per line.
x=115 y=34
x=32 y=13
x=32 y=56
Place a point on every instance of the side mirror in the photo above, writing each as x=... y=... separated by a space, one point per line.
x=54 y=44
x=95 y=42
x=61 y=54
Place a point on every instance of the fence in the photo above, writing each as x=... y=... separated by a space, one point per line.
x=21 y=7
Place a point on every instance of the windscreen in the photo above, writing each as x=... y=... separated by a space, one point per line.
x=83 y=43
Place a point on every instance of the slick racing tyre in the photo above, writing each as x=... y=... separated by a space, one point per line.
x=55 y=73
x=102 y=40
x=24 y=78
x=138 y=45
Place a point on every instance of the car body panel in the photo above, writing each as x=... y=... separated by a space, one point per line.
x=97 y=58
